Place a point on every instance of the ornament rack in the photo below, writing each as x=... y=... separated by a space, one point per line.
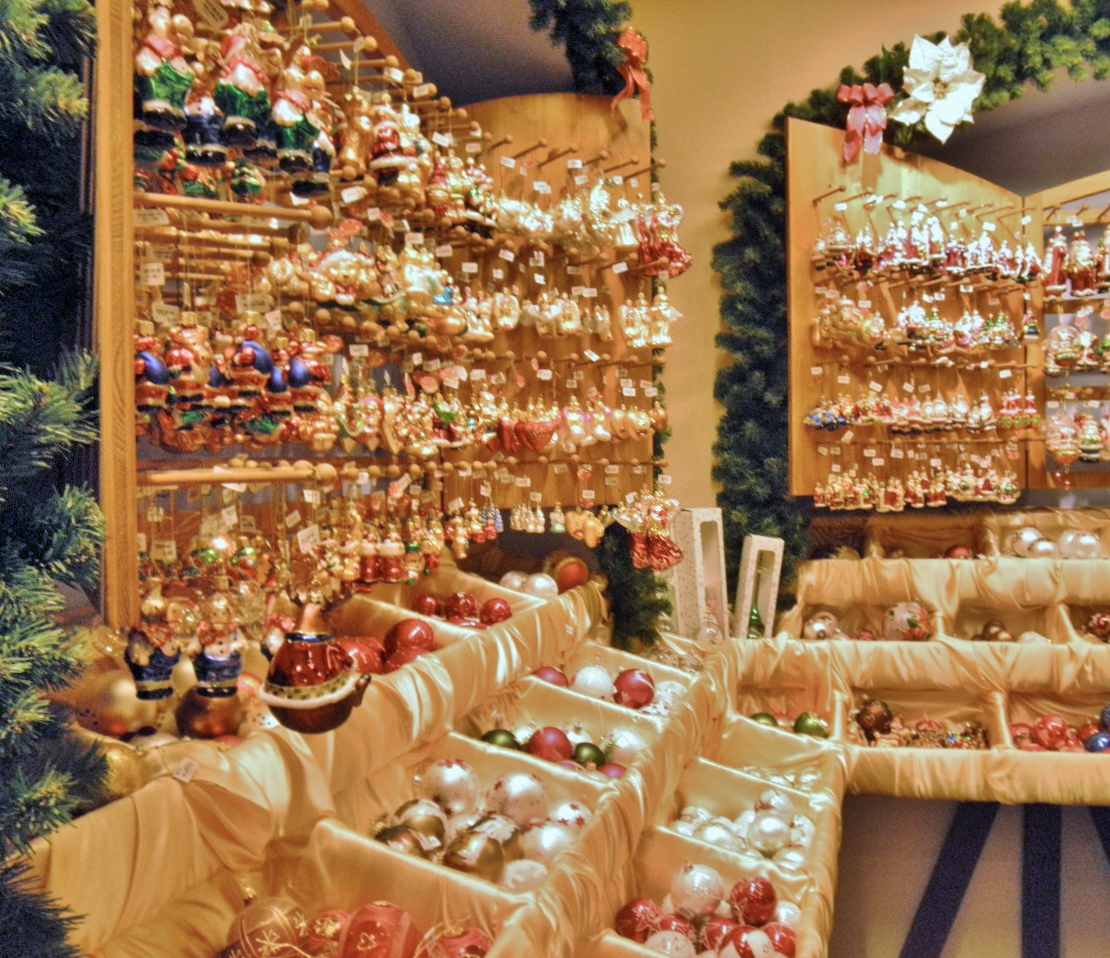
x=218 y=267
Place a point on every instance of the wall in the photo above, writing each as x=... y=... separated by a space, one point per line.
x=723 y=69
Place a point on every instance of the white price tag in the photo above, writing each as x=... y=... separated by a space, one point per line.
x=612 y=470
x=185 y=770
x=308 y=538
x=581 y=179
x=925 y=389
x=352 y=194
x=273 y=320
x=835 y=467
x=229 y=517
x=540 y=279
x=311 y=496
x=574 y=164
x=665 y=480
x=418 y=359
x=989 y=227
x=817 y=370
x=590 y=292
x=878 y=461
x=592 y=356
x=251 y=302
x=507 y=255
x=470 y=267
x=359 y=350
x=1005 y=373
x=473 y=147
x=522 y=482
x=540 y=186
x=870 y=453
x=628 y=391
x=164 y=550
x=621 y=267
x=421 y=90
x=144 y=217
x=843 y=379
x=414 y=239
x=372 y=215
x=651 y=392
x=906 y=387
x=589 y=495
x=164 y=314
x=935 y=463
x=153 y=274
x=612 y=481
x=508 y=162
x=441 y=139
x=445 y=251
x=140 y=541
x=840 y=207
x=477 y=375
x=822 y=450
x=875 y=387
x=544 y=374
x=536 y=497
x=899 y=204
x=896 y=453
x=848 y=436
x=1026 y=220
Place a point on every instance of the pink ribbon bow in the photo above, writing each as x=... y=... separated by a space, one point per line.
x=636 y=53
x=866 y=118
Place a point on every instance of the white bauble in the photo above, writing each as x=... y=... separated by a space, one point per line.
x=574 y=815
x=696 y=891
x=545 y=842
x=1086 y=546
x=1043 y=549
x=457 y=824
x=594 y=681
x=772 y=800
x=1022 y=540
x=756 y=940
x=789 y=914
x=623 y=746
x=577 y=734
x=671 y=943
x=541 y=585
x=1032 y=638
x=451 y=784
x=823 y=625
x=523 y=875
x=695 y=814
x=520 y=796
x=719 y=832
x=802 y=831
x=742 y=822
x=790 y=859
x=1064 y=543
x=768 y=833
x=514 y=581
x=684 y=828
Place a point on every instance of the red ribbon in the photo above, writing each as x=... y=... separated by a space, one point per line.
x=866 y=118
x=636 y=53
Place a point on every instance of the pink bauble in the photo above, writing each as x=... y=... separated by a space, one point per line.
x=671 y=943
x=782 y=938
x=452 y=785
x=1021 y=732
x=551 y=743
x=461 y=605
x=753 y=901
x=638 y=919
x=495 y=610
x=696 y=891
x=547 y=841
x=520 y=796
x=426 y=604
x=469 y=942
x=548 y=673
x=747 y=942
x=574 y=815
x=612 y=770
x=714 y=932
x=1050 y=731
x=633 y=688
x=594 y=681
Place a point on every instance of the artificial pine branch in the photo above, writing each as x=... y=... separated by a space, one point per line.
x=588 y=29
x=637 y=597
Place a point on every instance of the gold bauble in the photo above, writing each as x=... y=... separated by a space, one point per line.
x=476 y=854
x=107 y=702
x=269 y=928
x=126 y=771
x=202 y=716
x=424 y=816
x=991 y=630
x=505 y=832
x=402 y=839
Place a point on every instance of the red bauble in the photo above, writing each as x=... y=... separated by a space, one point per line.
x=324 y=930
x=366 y=652
x=1086 y=731
x=612 y=770
x=568 y=572
x=380 y=930
x=633 y=688
x=747 y=942
x=866 y=635
x=410 y=634
x=714 y=932
x=553 y=675
x=426 y=604
x=461 y=605
x=551 y=743
x=403 y=657
x=1028 y=745
x=782 y=937
x=928 y=725
x=753 y=901
x=460 y=942
x=639 y=919
x=495 y=610
x=1021 y=732
x=1050 y=731
x=679 y=924
x=958 y=552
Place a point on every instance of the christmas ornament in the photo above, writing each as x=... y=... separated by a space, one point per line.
x=548 y=673
x=545 y=841
x=520 y=796
x=823 y=625
x=495 y=610
x=773 y=800
x=108 y=703
x=567 y=570
x=541 y=586
x=311 y=686
x=623 y=746
x=500 y=737
x=451 y=784
x=324 y=931
x=718 y=832
x=504 y=831
x=379 y=930
x=714 y=932
x=907 y=622
x=611 y=770
x=679 y=924
x=587 y=754
x=410 y=634
x=574 y=815
x=476 y=854
x=427 y=604
x=126 y=769
x=768 y=833
x=672 y=943
x=638 y=919
x=789 y=859
x=202 y=716
x=788 y=914
x=424 y=816
x=456 y=941
x=269 y=928
x=810 y=724
x=633 y=688
x=782 y=938
x=514 y=581
x=874 y=717
x=401 y=838
x=594 y=681
x=367 y=653
x=1098 y=743
x=747 y=941
x=1023 y=539
x=552 y=744
x=696 y=891
x=765 y=718
x=753 y=901
x=523 y=876
x=461 y=605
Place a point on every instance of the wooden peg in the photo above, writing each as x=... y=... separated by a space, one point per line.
x=657 y=165
x=370 y=45
x=600 y=158
x=556 y=154
x=628 y=162
x=506 y=140
x=538 y=145
x=318 y=216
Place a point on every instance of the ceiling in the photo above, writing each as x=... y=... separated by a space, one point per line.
x=476 y=50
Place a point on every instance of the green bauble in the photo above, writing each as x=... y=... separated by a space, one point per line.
x=586 y=753
x=502 y=738
x=765 y=718
x=809 y=724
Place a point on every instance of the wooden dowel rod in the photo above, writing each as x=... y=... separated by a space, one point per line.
x=346 y=24
x=318 y=216
x=506 y=140
x=538 y=145
x=165 y=236
x=555 y=155
x=370 y=45
x=629 y=162
x=193 y=225
x=600 y=158
x=657 y=165
x=212 y=477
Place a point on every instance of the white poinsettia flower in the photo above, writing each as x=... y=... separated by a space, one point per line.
x=941 y=85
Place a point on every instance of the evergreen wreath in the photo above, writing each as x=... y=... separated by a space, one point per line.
x=1023 y=47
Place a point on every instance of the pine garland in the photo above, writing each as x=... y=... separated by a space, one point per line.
x=1019 y=50
x=589 y=30
x=637 y=597
x=47 y=536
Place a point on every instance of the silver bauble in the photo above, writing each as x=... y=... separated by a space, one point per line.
x=768 y=833
x=696 y=891
x=545 y=842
